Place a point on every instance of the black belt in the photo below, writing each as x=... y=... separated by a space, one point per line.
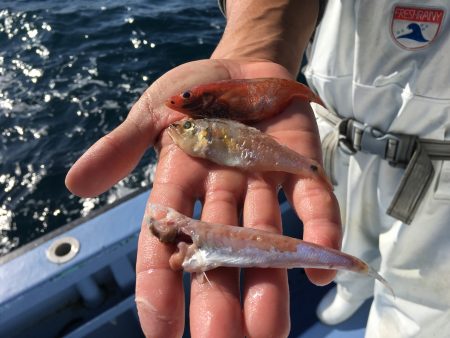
x=400 y=150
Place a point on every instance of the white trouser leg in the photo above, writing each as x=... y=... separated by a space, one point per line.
x=361 y=226
x=416 y=262
x=356 y=193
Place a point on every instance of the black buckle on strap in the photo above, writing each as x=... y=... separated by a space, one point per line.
x=345 y=142
x=355 y=136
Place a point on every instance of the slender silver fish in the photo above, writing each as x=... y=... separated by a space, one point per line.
x=234 y=144
x=204 y=246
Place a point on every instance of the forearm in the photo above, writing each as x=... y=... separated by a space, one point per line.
x=268 y=30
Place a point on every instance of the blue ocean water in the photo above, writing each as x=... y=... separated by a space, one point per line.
x=69 y=72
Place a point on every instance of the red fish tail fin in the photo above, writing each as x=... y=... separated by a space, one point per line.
x=316 y=99
x=306 y=93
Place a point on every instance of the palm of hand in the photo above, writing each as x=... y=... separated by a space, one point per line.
x=224 y=192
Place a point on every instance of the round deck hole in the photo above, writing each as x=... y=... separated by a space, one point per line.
x=63 y=250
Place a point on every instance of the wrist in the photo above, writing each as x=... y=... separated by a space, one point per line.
x=276 y=31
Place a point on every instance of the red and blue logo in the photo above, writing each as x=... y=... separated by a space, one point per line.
x=416 y=27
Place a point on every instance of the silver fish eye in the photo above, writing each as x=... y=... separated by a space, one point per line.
x=187 y=125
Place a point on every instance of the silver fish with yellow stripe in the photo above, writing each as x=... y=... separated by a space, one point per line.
x=230 y=143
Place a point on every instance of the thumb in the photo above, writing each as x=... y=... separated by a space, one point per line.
x=113 y=157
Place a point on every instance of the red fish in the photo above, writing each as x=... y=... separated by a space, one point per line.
x=245 y=100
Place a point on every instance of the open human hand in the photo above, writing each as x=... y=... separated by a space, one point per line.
x=225 y=194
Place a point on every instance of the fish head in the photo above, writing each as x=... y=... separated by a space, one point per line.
x=189 y=135
x=191 y=102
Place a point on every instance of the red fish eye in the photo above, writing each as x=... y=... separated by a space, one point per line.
x=186 y=95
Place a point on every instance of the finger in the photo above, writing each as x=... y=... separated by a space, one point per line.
x=318 y=209
x=112 y=157
x=266 y=291
x=109 y=160
x=215 y=309
x=159 y=290
x=315 y=204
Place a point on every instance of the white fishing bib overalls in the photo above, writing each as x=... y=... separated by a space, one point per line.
x=386 y=65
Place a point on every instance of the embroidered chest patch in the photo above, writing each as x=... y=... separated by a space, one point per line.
x=415 y=27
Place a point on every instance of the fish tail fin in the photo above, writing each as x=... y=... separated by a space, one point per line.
x=374 y=274
x=320 y=174
x=316 y=99
x=304 y=92
x=324 y=177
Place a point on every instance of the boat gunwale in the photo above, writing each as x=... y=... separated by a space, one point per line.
x=71 y=225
